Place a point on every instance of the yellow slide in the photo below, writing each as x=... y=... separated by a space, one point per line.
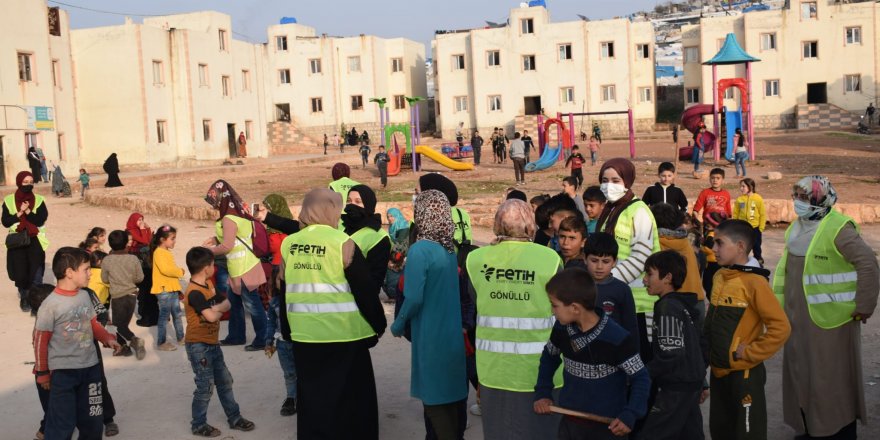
x=443 y=160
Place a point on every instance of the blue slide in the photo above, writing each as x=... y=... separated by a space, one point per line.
x=548 y=158
x=733 y=120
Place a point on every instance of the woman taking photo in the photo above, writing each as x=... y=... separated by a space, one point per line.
x=25 y=214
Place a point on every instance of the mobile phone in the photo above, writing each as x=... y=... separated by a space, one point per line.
x=254 y=208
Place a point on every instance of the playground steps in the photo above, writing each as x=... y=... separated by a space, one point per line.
x=286 y=138
x=824 y=116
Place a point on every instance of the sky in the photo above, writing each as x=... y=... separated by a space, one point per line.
x=413 y=19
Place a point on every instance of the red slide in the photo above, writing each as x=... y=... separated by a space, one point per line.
x=691 y=119
x=395 y=155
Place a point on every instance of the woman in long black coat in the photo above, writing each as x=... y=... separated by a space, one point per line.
x=111 y=167
x=35 y=164
x=25 y=265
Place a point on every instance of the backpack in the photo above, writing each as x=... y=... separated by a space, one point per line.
x=260 y=241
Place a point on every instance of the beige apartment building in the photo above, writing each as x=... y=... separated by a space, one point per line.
x=487 y=78
x=818 y=69
x=37 y=104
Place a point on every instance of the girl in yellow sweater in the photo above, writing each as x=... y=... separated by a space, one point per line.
x=750 y=207
x=166 y=284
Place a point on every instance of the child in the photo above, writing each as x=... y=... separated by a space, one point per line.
x=715 y=198
x=750 y=207
x=166 y=284
x=677 y=366
x=744 y=326
x=99 y=234
x=674 y=236
x=577 y=162
x=594 y=150
x=601 y=359
x=96 y=284
x=594 y=203
x=122 y=271
x=740 y=153
x=570 y=186
x=665 y=190
x=572 y=238
x=90 y=245
x=365 y=155
x=65 y=328
x=381 y=160
x=203 y=311
x=614 y=296
x=707 y=243
x=560 y=207
x=84 y=183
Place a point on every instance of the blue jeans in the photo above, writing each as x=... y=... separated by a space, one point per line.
x=593 y=155
x=740 y=162
x=76 y=402
x=698 y=158
x=210 y=371
x=249 y=301
x=169 y=303
x=288 y=366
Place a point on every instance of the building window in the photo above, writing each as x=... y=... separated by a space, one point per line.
x=354 y=64
x=315 y=66
x=607 y=49
x=282 y=112
x=810 y=49
x=565 y=52
x=399 y=102
x=206 y=129
x=771 y=87
x=527 y=26
x=161 y=128
x=461 y=103
x=24 y=67
x=645 y=94
x=222 y=36
x=281 y=43
x=692 y=96
x=158 y=73
x=853 y=35
x=248 y=129
x=808 y=11
x=494 y=58
x=317 y=105
x=495 y=103
x=458 y=62
x=566 y=95
x=528 y=62
x=357 y=102
x=852 y=83
x=56 y=73
x=609 y=93
x=396 y=65
x=691 y=54
x=31 y=140
x=227 y=85
x=203 y=75
x=643 y=51
x=245 y=80
x=768 y=41
x=284 y=76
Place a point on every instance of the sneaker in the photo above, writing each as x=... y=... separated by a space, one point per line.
x=125 y=351
x=23 y=304
x=206 y=431
x=476 y=410
x=243 y=424
x=111 y=429
x=167 y=347
x=139 y=350
x=288 y=408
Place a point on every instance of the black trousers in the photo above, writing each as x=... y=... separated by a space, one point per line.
x=738 y=406
x=519 y=169
x=675 y=415
x=576 y=429
x=121 y=311
x=383 y=173
x=447 y=421
x=478 y=151
x=578 y=173
x=756 y=249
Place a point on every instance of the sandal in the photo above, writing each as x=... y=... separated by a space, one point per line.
x=243 y=424
x=111 y=429
x=207 y=431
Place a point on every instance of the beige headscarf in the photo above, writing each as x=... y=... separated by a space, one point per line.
x=514 y=220
x=321 y=206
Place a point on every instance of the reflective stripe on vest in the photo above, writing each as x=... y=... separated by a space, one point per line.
x=318 y=299
x=829 y=281
x=514 y=317
x=239 y=260
x=9 y=201
x=623 y=233
x=367 y=238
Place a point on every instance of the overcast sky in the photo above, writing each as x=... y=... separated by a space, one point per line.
x=413 y=19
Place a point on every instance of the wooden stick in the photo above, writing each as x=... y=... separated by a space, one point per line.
x=581 y=415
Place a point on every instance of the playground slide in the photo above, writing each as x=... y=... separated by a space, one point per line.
x=733 y=120
x=438 y=157
x=548 y=158
x=691 y=120
x=395 y=155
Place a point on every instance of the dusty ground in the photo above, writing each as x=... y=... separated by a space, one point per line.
x=153 y=396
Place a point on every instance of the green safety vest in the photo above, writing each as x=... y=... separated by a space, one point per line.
x=367 y=238
x=829 y=280
x=514 y=317
x=240 y=259
x=38 y=201
x=320 y=305
x=623 y=233
x=342 y=186
x=461 y=219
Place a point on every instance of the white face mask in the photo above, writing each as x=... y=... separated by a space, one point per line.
x=613 y=191
x=804 y=210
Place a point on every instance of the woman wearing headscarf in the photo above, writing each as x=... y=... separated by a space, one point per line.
x=35 y=164
x=111 y=167
x=25 y=213
x=233 y=239
x=433 y=312
x=57 y=181
x=460 y=217
x=331 y=332
x=828 y=281
x=140 y=235
x=508 y=279
x=398 y=227
x=361 y=222
x=631 y=223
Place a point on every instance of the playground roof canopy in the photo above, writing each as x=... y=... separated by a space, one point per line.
x=731 y=53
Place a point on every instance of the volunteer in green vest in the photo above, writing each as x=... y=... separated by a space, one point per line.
x=828 y=281
x=233 y=239
x=333 y=318
x=460 y=217
x=514 y=320
x=631 y=223
x=25 y=213
x=364 y=225
x=342 y=181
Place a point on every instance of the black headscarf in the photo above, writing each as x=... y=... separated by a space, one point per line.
x=356 y=217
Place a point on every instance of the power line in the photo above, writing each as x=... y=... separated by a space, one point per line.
x=102 y=11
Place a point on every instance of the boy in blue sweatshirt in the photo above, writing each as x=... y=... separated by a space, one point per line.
x=603 y=373
x=615 y=298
